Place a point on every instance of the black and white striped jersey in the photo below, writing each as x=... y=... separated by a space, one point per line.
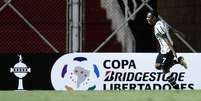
x=161 y=30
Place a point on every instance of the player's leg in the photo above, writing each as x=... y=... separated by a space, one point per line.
x=172 y=80
x=168 y=62
x=159 y=62
x=180 y=60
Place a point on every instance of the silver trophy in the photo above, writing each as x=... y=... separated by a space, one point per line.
x=20 y=70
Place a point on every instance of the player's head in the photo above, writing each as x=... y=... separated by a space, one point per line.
x=152 y=17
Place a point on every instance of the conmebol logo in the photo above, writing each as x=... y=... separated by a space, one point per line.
x=74 y=73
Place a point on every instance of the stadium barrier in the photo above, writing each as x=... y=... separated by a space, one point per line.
x=94 y=71
x=121 y=71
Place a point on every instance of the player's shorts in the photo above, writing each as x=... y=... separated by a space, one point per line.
x=165 y=60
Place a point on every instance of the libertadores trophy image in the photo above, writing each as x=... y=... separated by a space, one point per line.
x=20 y=70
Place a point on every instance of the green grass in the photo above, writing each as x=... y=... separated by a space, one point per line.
x=190 y=95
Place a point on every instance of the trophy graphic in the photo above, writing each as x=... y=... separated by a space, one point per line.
x=20 y=70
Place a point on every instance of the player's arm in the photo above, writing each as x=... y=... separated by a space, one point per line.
x=170 y=45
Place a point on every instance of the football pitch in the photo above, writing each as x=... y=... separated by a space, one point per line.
x=188 y=95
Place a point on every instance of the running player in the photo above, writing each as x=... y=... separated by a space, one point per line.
x=167 y=56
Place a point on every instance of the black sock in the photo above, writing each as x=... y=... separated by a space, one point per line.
x=172 y=81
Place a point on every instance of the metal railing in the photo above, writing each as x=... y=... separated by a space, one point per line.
x=8 y=3
x=144 y=3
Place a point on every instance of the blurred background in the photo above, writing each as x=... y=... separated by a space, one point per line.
x=63 y=26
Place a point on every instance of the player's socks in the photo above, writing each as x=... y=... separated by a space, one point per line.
x=172 y=81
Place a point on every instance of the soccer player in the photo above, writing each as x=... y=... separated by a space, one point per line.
x=167 y=56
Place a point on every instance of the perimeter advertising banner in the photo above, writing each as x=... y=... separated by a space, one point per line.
x=94 y=71
x=121 y=71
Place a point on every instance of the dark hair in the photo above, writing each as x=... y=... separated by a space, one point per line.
x=153 y=13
